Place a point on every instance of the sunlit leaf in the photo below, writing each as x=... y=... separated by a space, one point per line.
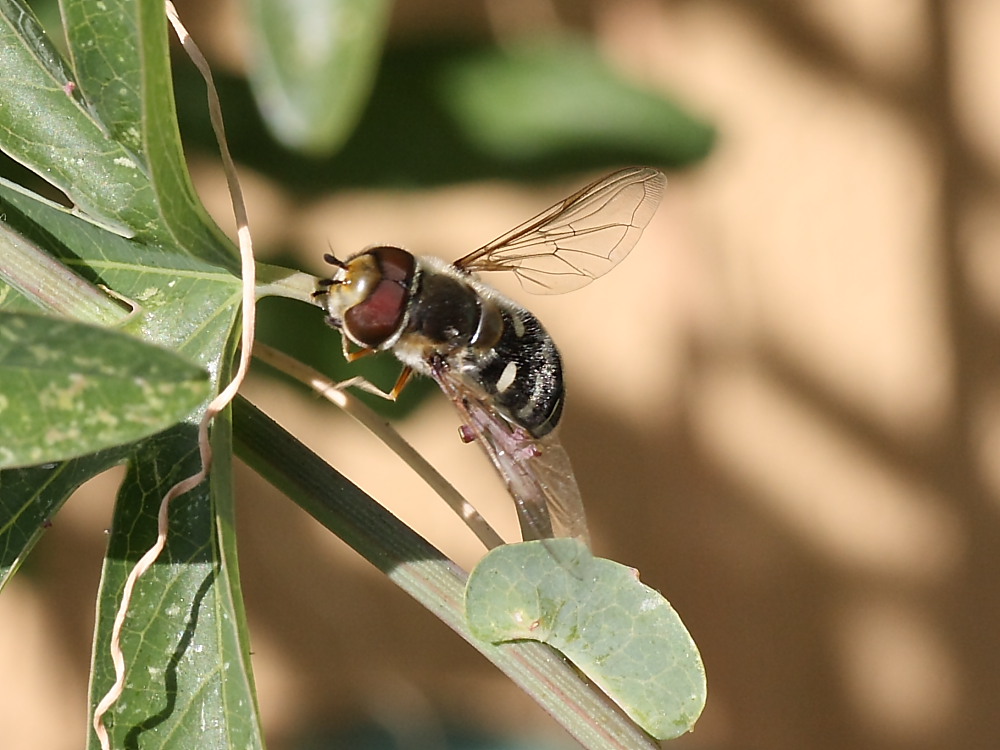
x=46 y=125
x=68 y=389
x=189 y=681
x=105 y=133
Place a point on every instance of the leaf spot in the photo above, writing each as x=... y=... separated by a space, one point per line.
x=124 y=161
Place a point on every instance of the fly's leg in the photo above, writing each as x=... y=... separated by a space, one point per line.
x=345 y=347
x=360 y=382
x=369 y=387
x=401 y=381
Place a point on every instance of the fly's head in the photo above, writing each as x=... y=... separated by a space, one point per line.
x=351 y=284
x=367 y=295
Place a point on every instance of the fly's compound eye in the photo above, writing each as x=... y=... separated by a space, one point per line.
x=379 y=301
x=368 y=294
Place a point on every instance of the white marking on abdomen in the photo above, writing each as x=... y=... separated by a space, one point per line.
x=506 y=378
x=518 y=325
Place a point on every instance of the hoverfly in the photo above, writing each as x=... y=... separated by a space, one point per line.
x=489 y=355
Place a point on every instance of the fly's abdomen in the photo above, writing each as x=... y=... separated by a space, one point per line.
x=522 y=372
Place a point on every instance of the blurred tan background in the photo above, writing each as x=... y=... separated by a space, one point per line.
x=783 y=405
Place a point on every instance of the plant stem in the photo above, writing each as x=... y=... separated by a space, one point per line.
x=52 y=285
x=428 y=576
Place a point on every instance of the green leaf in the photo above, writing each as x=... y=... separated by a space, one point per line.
x=540 y=97
x=126 y=172
x=112 y=82
x=185 y=640
x=188 y=681
x=30 y=497
x=181 y=212
x=68 y=389
x=312 y=66
x=620 y=633
x=46 y=125
x=426 y=575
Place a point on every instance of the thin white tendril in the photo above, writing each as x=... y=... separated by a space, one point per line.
x=218 y=403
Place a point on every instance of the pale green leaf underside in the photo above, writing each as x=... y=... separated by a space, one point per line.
x=622 y=634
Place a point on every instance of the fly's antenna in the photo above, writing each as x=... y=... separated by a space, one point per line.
x=325 y=284
x=324 y=287
x=333 y=260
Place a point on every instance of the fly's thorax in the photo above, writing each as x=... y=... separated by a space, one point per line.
x=445 y=309
x=487 y=339
x=450 y=312
x=368 y=298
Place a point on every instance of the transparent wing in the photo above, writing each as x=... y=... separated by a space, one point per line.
x=537 y=472
x=578 y=239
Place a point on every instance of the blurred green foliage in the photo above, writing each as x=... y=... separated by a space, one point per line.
x=450 y=110
x=311 y=65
